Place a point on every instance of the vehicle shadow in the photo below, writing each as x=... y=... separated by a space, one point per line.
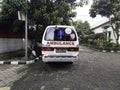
x=60 y=65
x=50 y=67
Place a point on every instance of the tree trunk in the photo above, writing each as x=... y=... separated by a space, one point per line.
x=115 y=32
x=117 y=39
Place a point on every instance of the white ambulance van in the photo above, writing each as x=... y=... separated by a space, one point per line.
x=60 y=44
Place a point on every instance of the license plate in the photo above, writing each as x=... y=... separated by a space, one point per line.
x=60 y=51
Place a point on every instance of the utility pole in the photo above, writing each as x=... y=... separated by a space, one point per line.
x=23 y=16
x=26 y=37
x=26 y=33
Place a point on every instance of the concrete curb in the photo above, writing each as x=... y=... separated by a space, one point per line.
x=4 y=88
x=18 y=62
x=110 y=51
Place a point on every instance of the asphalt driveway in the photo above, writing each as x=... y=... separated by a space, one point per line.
x=94 y=71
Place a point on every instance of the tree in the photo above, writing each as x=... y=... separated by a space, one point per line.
x=9 y=18
x=83 y=28
x=50 y=12
x=41 y=13
x=111 y=10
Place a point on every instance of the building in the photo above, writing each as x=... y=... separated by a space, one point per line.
x=100 y=28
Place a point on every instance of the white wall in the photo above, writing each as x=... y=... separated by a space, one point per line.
x=11 y=44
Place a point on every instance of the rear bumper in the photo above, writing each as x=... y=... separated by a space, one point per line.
x=59 y=58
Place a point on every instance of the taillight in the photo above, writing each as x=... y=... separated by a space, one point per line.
x=73 y=49
x=47 y=49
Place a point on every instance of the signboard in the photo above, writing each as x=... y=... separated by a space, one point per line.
x=21 y=16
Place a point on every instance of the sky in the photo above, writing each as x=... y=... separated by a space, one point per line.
x=83 y=15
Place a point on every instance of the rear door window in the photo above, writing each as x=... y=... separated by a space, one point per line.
x=60 y=34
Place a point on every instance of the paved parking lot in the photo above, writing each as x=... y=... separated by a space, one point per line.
x=94 y=71
x=9 y=74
